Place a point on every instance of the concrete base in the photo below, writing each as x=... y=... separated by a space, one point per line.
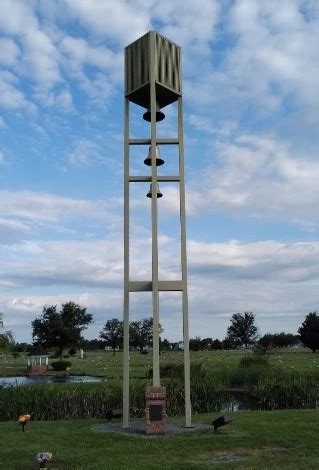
x=137 y=428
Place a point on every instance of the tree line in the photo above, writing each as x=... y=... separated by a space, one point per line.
x=62 y=329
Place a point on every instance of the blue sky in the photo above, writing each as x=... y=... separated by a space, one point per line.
x=250 y=89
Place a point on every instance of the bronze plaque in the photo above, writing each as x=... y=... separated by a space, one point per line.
x=156 y=412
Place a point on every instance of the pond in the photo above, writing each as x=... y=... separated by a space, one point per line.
x=240 y=400
x=44 y=379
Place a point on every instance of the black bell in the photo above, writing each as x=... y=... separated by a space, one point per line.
x=158 y=192
x=159 y=114
x=148 y=160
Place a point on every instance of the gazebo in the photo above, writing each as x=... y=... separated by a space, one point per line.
x=38 y=360
x=37 y=364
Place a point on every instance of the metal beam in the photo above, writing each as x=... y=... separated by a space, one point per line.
x=158 y=141
x=148 y=179
x=126 y=319
x=188 y=410
x=164 y=286
x=155 y=296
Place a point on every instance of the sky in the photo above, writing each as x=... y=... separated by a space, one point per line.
x=251 y=115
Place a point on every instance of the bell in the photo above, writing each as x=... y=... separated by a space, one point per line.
x=159 y=114
x=158 y=192
x=148 y=160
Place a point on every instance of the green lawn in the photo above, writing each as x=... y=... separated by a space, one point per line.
x=267 y=440
x=104 y=364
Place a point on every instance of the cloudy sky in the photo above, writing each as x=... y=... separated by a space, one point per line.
x=251 y=98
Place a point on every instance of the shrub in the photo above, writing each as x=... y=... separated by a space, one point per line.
x=72 y=352
x=249 y=361
x=61 y=365
x=15 y=354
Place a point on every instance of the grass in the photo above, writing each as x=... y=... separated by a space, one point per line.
x=103 y=363
x=279 y=439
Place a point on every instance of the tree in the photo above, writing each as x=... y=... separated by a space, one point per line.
x=165 y=345
x=141 y=333
x=229 y=343
x=92 y=344
x=112 y=334
x=6 y=342
x=283 y=340
x=195 y=344
x=217 y=344
x=62 y=329
x=309 y=331
x=242 y=329
x=206 y=344
x=266 y=341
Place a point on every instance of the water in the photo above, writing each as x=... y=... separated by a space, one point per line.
x=240 y=400
x=44 y=379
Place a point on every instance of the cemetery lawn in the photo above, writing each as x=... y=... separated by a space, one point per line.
x=277 y=439
x=102 y=363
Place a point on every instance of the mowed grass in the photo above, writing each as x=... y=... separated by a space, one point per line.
x=102 y=363
x=278 y=439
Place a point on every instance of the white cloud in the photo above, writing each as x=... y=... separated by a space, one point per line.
x=265 y=277
x=260 y=176
x=274 y=57
x=122 y=20
x=9 y=52
x=51 y=208
x=86 y=152
x=10 y=96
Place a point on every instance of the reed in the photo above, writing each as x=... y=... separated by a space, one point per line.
x=271 y=386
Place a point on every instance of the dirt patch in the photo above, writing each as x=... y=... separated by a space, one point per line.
x=226 y=458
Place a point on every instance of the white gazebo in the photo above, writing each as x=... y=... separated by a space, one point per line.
x=38 y=361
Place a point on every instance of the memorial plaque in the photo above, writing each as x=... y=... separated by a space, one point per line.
x=156 y=412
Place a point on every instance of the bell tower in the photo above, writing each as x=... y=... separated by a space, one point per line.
x=153 y=81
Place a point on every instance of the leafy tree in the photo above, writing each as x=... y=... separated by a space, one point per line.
x=242 y=329
x=112 y=334
x=206 y=344
x=195 y=344
x=266 y=341
x=229 y=343
x=309 y=331
x=22 y=347
x=165 y=345
x=283 y=340
x=61 y=329
x=92 y=344
x=217 y=344
x=6 y=342
x=141 y=333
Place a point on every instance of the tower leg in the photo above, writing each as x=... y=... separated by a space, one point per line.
x=126 y=332
x=188 y=412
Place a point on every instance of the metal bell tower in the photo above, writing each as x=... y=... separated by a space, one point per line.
x=153 y=81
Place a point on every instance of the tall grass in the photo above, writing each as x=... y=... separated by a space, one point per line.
x=272 y=387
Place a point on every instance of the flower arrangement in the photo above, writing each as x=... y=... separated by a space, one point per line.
x=23 y=419
x=43 y=458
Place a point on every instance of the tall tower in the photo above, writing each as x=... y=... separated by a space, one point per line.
x=153 y=81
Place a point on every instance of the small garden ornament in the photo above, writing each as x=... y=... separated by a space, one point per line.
x=43 y=458
x=23 y=419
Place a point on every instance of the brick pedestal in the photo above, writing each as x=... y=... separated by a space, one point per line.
x=37 y=369
x=155 y=410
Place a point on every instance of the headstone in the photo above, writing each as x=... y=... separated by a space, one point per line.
x=81 y=354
